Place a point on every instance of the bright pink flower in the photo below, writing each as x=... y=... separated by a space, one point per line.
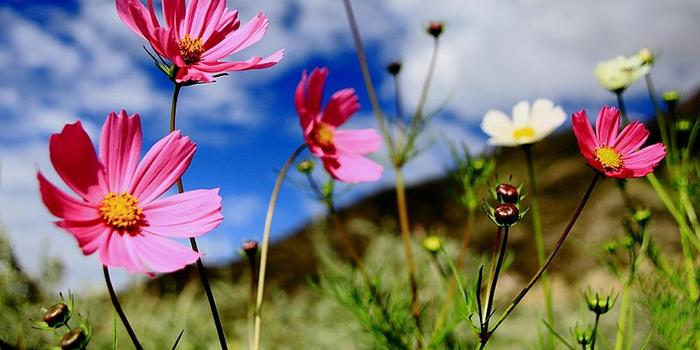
x=342 y=151
x=198 y=37
x=119 y=212
x=616 y=155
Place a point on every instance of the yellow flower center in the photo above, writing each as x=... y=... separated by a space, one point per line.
x=190 y=49
x=323 y=135
x=609 y=158
x=523 y=132
x=121 y=211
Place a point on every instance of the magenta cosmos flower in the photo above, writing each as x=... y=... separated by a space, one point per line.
x=616 y=155
x=197 y=37
x=342 y=151
x=118 y=211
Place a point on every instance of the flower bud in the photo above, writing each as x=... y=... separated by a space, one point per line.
x=394 y=67
x=57 y=315
x=683 y=125
x=671 y=98
x=75 y=339
x=583 y=336
x=628 y=243
x=432 y=244
x=250 y=248
x=646 y=56
x=507 y=193
x=598 y=304
x=611 y=247
x=306 y=166
x=506 y=214
x=642 y=216
x=435 y=28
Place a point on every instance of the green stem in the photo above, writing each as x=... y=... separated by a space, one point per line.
x=252 y=262
x=621 y=105
x=539 y=240
x=266 y=243
x=120 y=312
x=492 y=288
x=551 y=256
x=595 y=331
x=193 y=242
x=407 y=245
x=622 y=319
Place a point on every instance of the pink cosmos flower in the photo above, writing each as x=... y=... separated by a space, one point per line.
x=198 y=37
x=616 y=155
x=118 y=211
x=342 y=151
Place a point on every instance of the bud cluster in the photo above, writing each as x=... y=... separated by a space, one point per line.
x=507 y=212
x=58 y=316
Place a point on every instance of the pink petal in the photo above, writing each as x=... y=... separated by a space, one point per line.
x=64 y=206
x=351 y=167
x=237 y=40
x=75 y=161
x=631 y=138
x=174 y=13
x=165 y=43
x=139 y=19
x=357 y=141
x=118 y=250
x=607 y=125
x=185 y=74
x=305 y=117
x=228 y=23
x=89 y=234
x=163 y=255
x=342 y=105
x=120 y=149
x=164 y=163
x=643 y=162
x=584 y=134
x=204 y=17
x=217 y=14
x=251 y=63
x=188 y=214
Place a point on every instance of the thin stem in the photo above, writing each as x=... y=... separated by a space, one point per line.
x=551 y=256
x=492 y=269
x=539 y=239
x=406 y=236
x=494 y=282
x=374 y=101
x=252 y=262
x=193 y=242
x=120 y=312
x=266 y=243
x=621 y=105
x=426 y=83
x=595 y=331
x=399 y=110
x=622 y=319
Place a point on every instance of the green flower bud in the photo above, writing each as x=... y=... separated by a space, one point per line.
x=646 y=56
x=583 y=336
x=642 y=216
x=306 y=166
x=598 y=304
x=611 y=247
x=683 y=125
x=432 y=244
x=671 y=96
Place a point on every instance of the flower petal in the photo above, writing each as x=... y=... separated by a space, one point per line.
x=631 y=138
x=237 y=40
x=120 y=149
x=64 y=206
x=189 y=214
x=163 y=255
x=75 y=161
x=643 y=162
x=360 y=141
x=118 y=250
x=607 y=125
x=174 y=13
x=312 y=93
x=545 y=117
x=139 y=19
x=497 y=124
x=203 y=16
x=584 y=134
x=342 y=105
x=164 y=163
x=90 y=234
x=351 y=167
x=521 y=114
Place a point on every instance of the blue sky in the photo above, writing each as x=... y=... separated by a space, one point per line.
x=69 y=60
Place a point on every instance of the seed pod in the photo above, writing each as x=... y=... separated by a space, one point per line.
x=506 y=214
x=507 y=193
x=435 y=28
x=75 y=339
x=57 y=315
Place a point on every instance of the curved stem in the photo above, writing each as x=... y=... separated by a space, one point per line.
x=193 y=242
x=406 y=237
x=120 y=312
x=539 y=240
x=551 y=256
x=494 y=282
x=266 y=243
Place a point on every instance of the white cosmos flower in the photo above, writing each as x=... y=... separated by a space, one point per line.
x=528 y=125
x=620 y=72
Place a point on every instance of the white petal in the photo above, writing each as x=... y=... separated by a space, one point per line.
x=496 y=123
x=521 y=113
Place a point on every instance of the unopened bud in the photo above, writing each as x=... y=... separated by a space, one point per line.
x=683 y=125
x=394 y=67
x=507 y=193
x=642 y=216
x=57 y=315
x=432 y=244
x=250 y=248
x=506 y=214
x=584 y=336
x=611 y=247
x=75 y=339
x=306 y=166
x=599 y=305
x=646 y=56
x=435 y=28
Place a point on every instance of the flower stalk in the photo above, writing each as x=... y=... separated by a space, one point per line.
x=193 y=242
x=120 y=312
x=266 y=243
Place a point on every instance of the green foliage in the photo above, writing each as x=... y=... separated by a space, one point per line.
x=673 y=317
